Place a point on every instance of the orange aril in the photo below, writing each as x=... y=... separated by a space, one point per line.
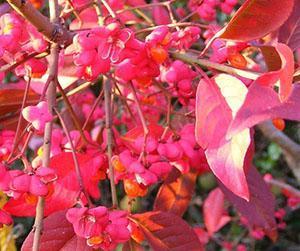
x=37 y=3
x=166 y=39
x=117 y=164
x=279 y=123
x=31 y=199
x=144 y=81
x=237 y=60
x=133 y=189
x=95 y=240
x=158 y=54
x=149 y=100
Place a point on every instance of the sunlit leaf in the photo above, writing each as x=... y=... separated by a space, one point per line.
x=175 y=193
x=166 y=231
x=257 y=18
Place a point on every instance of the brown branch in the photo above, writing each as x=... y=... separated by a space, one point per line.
x=192 y=59
x=17 y=134
x=109 y=139
x=284 y=186
x=143 y=122
x=72 y=113
x=52 y=32
x=51 y=100
x=291 y=149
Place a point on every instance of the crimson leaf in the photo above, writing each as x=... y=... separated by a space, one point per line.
x=257 y=18
x=166 y=231
x=58 y=235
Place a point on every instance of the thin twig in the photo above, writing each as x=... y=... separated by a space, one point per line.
x=75 y=159
x=10 y=67
x=173 y=20
x=192 y=59
x=109 y=139
x=148 y=29
x=168 y=119
x=96 y=103
x=17 y=136
x=109 y=9
x=143 y=121
x=144 y=6
x=125 y=103
x=72 y=113
x=284 y=186
x=98 y=10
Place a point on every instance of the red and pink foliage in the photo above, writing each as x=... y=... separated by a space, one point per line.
x=136 y=106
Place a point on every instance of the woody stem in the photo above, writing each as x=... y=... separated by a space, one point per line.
x=109 y=139
x=51 y=100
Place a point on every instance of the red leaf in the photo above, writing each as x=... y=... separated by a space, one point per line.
x=283 y=75
x=289 y=33
x=63 y=164
x=227 y=163
x=66 y=188
x=58 y=235
x=213 y=115
x=272 y=58
x=213 y=211
x=129 y=139
x=257 y=18
x=259 y=211
x=166 y=231
x=175 y=193
x=62 y=198
x=262 y=103
x=9 y=104
x=216 y=104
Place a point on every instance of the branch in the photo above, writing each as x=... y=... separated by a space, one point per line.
x=109 y=139
x=192 y=59
x=51 y=100
x=284 y=186
x=291 y=150
x=75 y=160
x=143 y=122
x=52 y=32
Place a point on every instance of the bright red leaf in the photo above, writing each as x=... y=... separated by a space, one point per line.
x=90 y=165
x=65 y=189
x=58 y=235
x=175 y=193
x=166 y=231
x=9 y=104
x=257 y=18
